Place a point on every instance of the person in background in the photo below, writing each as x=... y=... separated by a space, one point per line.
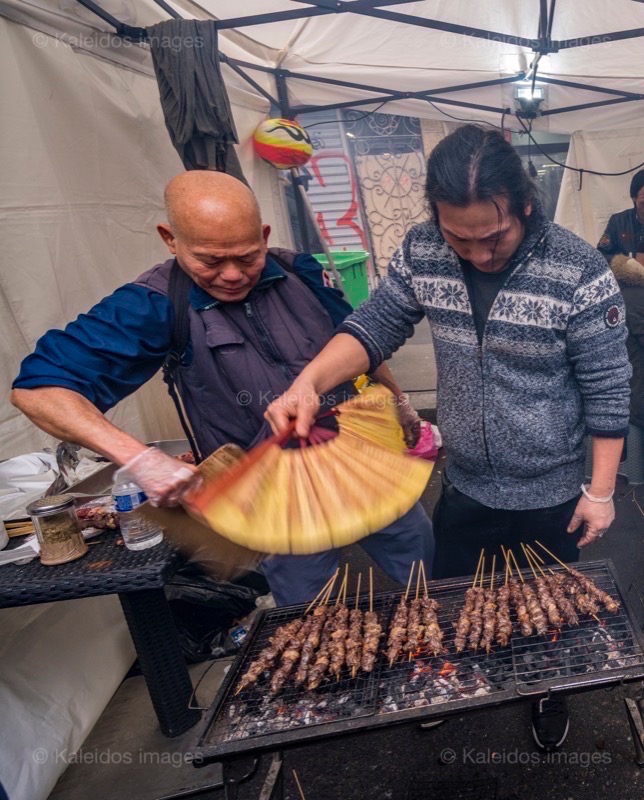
x=629 y=273
x=256 y=318
x=624 y=234
x=528 y=329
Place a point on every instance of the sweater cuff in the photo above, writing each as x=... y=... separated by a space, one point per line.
x=621 y=434
x=376 y=356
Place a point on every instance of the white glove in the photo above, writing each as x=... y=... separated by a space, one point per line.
x=409 y=420
x=164 y=479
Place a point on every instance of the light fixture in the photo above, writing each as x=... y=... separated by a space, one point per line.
x=528 y=99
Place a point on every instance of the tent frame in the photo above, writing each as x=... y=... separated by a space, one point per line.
x=541 y=45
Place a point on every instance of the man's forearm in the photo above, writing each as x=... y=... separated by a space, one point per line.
x=70 y=417
x=606 y=455
x=343 y=359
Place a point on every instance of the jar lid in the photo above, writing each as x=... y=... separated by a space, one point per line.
x=56 y=502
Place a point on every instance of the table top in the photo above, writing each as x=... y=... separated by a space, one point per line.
x=107 y=568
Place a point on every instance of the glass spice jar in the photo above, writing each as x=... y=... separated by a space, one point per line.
x=57 y=528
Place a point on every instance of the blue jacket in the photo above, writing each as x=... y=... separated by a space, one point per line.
x=116 y=347
x=552 y=367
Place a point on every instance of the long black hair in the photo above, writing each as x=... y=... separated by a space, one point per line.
x=473 y=164
x=637 y=183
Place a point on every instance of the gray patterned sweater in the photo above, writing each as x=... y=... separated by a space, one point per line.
x=552 y=366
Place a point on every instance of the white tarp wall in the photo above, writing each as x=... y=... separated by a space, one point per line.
x=85 y=155
x=586 y=211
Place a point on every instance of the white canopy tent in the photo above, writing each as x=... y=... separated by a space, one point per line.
x=84 y=155
x=587 y=53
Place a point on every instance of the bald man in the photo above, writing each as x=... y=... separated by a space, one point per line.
x=255 y=319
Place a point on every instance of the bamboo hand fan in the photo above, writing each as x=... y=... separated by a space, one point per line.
x=329 y=494
x=221 y=557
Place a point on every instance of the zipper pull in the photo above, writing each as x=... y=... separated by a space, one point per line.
x=249 y=309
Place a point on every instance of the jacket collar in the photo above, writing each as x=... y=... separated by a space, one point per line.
x=200 y=300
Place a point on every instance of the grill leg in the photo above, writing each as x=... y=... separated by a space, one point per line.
x=233 y=774
x=275 y=777
x=635 y=713
x=162 y=662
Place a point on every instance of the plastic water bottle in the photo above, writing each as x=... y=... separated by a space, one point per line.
x=138 y=532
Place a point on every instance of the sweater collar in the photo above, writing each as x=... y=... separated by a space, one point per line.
x=200 y=300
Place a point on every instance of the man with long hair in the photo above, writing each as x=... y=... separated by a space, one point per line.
x=528 y=329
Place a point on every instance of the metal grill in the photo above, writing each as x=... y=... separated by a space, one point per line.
x=599 y=651
x=255 y=713
x=462 y=680
x=594 y=652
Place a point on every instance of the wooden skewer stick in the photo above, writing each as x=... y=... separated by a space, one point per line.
x=422 y=566
x=492 y=575
x=342 y=594
x=482 y=572
x=558 y=560
x=370 y=588
x=322 y=591
x=535 y=555
x=478 y=567
x=299 y=785
x=358 y=589
x=516 y=565
x=418 y=580
x=527 y=558
x=411 y=574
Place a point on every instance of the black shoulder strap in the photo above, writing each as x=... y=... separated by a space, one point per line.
x=285 y=258
x=178 y=293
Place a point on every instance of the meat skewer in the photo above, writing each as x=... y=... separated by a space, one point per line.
x=535 y=613
x=489 y=613
x=557 y=590
x=432 y=634
x=503 y=619
x=465 y=618
x=546 y=600
x=592 y=592
x=519 y=601
x=476 y=617
x=354 y=637
x=398 y=629
x=372 y=632
x=268 y=656
x=595 y=592
x=337 y=648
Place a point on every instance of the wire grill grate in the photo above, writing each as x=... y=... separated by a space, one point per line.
x=254 y=712
x=598 y=651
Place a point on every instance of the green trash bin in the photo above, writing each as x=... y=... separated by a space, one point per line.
x=352 y=266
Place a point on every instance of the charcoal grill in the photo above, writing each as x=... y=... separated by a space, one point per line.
x=602 y=651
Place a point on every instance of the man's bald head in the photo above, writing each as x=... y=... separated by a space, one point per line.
x=200 y=198
x=215 y=232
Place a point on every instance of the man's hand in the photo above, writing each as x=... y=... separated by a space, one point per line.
x=409 y=420
x=301 y=402
x=597 y=517
x=164 y=479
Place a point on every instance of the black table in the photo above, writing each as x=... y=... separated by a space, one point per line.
x=138 y=577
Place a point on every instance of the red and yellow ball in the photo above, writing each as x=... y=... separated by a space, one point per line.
x=282 y=143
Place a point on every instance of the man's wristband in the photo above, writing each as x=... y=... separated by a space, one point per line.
x=592 y=497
